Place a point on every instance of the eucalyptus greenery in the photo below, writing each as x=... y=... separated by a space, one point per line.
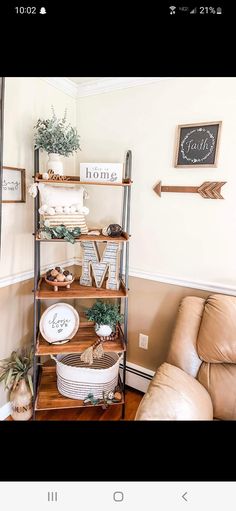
x=56 y=136
x=104 y=313
x=60 y=232
x=16 y=368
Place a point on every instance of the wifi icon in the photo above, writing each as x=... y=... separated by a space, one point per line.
x=172 y=9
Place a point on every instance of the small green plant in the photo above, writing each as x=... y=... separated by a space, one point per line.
x=60 y=232
x=55 y=136
x=16 y=368
x=104 y=313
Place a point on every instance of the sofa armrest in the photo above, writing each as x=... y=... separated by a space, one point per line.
x=175 y=395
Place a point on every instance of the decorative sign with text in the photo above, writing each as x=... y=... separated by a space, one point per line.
x=13 y=184
x=59 y=322
x=197 y=145
x=101 y=172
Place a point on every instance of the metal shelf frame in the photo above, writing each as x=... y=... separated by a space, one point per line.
x=123 y=273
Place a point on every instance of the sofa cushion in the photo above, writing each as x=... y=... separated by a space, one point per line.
x=216 y=340
x=183 y=350
x=220 y=382
x=175 y=395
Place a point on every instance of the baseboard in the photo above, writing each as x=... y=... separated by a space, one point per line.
x=5 y=411
x=137 y=377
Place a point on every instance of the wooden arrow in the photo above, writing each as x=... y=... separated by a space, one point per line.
x=208 y=190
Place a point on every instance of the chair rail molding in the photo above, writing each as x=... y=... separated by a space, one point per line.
x=214 y=287
x=26 y=275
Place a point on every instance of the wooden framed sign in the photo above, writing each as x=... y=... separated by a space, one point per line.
x=197 y=144
x=13 y=184
x=101 y=172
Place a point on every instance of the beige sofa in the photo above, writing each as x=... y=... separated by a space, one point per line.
x=198 y=379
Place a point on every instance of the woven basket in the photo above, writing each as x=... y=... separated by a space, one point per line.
x=76 y=380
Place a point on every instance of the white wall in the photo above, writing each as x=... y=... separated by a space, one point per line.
x=27 y=99
x=181 y=235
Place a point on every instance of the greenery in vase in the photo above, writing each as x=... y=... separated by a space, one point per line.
x=60 y=232
x=56 y=136
x=16 y=368
x=104 y=313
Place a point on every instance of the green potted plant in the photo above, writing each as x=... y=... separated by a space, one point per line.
x=105 y=316
x=58 y=138
x=15 y=372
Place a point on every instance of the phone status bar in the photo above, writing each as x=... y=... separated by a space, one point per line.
x=202 y=10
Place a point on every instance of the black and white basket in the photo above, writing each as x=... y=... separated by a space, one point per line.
x=76 y=380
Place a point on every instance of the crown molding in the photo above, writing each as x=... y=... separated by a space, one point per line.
x=64 y=85
x=99 y=86
x=103 y=85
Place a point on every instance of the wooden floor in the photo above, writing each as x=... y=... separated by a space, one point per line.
x=113 y=413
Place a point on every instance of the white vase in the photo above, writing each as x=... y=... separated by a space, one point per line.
x=55 y=163
x=103 y=330
x=21 y=402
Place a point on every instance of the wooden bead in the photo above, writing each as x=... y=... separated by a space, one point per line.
x=54 y=273
x=60 y=278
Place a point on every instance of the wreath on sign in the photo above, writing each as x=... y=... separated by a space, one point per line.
x=197 y=160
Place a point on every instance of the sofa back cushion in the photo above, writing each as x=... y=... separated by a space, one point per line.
x=183 y=351
x=216 y=340
x=220 y=382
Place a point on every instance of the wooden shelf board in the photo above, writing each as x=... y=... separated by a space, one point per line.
x=48 y=397
x=87 y=237
x=83 y=339
x=45 y=292
x=76 y=180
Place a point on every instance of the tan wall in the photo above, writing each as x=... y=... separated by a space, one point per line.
x=16 y=306
x=16 y=330
x=153 y=308
x=181 y=235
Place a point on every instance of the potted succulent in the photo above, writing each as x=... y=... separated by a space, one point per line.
x=105 y=316
x=57 y=138
x=15 y=372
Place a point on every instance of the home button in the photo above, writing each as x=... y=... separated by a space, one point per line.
x=118 y=496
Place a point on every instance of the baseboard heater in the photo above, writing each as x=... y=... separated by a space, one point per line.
x=137 y=377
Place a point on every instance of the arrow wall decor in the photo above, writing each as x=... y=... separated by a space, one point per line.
x=208 y=190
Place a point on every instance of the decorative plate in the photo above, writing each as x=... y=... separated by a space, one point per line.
x=59 y=323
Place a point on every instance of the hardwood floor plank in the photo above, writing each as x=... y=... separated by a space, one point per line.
x=133 y=398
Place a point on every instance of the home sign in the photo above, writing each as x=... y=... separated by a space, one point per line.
x=101 y=172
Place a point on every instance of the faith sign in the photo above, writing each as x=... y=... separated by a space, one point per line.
x=101 y=172
x=197 y=145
